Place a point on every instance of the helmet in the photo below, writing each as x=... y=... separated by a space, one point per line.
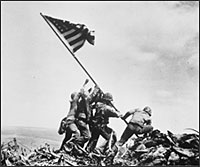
x=148 y=110
x=73 y=95
x=108 y=96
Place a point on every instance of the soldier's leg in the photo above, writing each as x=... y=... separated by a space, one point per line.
x=110 y=139
x=84 y=133
x=68 y=135
x=71 y=131
x=114 y=135
x=128 y=132
x=105 y=132
x=95 y=133
x=74 y=130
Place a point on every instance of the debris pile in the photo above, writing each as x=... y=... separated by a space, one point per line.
x=155 y=149
x=12 y=154
x=162 y=149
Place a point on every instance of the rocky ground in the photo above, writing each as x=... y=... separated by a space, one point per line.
x=155 y=149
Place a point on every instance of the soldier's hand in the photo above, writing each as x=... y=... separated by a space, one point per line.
x=96 y=87
x=120 y=115
x=82 y=91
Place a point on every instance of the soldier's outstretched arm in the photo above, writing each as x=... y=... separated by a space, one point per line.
x=128 y=113
x=109 y=111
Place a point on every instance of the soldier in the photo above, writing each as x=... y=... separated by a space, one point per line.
x=82 y=117
x=100 y=120
x=67 y=124
x=140 y=123
x=75 y=124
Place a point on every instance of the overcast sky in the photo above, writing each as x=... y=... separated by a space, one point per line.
x=145 y=53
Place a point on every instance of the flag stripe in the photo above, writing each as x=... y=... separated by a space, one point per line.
x=74 y=34
x=68 y=32
x=78 y=45
x=76 y=40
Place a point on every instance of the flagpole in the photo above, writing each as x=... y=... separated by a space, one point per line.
x=76 y=58
x=69 y=49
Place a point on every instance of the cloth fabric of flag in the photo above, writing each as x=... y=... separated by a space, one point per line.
x=74 y=34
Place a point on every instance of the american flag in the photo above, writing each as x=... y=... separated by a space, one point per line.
x=74 y=34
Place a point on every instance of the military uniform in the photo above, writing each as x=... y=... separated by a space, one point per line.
x=82 y=117
x=99 y=124
x=140 y=123
x=75 y=124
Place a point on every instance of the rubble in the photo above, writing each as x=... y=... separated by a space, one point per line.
x=162 y=149
x=11 y=155
x=155 y=149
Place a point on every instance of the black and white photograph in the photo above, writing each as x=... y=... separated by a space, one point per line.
x=99 y=83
